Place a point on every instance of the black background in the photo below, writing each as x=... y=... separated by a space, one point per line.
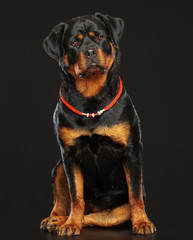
x=156 y=69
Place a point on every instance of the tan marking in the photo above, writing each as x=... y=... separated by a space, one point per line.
x=138 y=215
x=79 y=36
x=90 y=86
x=118 y=132
x=80 y=65
x=91 y=34
x=55 y=222
x=77 y=208
x=137 y=206
x=105 y=218
x=108 y=218
x=68 y=135
x=92 y=83
x=66 y=60
x=61 y=201
x=62 y=195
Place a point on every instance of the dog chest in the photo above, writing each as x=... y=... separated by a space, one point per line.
x=119 y=133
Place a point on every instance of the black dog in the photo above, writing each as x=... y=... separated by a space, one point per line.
x=98 y=181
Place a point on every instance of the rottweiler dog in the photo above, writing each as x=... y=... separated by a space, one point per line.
x=99 y=180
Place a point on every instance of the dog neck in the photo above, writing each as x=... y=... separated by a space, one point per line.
x=90 y=86
x=93 y=114
x=74 y=89
x=77 y=100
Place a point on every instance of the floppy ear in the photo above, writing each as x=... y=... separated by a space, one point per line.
x=114 y=25
x=53 y=43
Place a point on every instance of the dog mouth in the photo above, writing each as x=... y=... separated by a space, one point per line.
x=92 y=69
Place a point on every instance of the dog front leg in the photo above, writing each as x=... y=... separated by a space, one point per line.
x=133 y=172
x=73 y=224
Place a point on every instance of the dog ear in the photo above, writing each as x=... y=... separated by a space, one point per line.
x=53 y=43
x=114 y=25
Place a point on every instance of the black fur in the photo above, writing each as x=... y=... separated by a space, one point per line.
x=99 y=157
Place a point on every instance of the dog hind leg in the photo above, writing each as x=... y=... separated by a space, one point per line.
x=108 y=218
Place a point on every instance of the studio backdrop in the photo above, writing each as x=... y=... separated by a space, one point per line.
x=156 y=69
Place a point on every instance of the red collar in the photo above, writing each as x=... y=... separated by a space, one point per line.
x=100 y=111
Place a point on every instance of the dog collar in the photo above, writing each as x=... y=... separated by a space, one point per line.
x=100 y=111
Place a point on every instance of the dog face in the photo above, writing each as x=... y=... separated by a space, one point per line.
x=85 y=46
x=88 y=48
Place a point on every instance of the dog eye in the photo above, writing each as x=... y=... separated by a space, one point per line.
x=74 y=44
x=100 y=37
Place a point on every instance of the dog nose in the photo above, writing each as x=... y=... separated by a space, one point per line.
x=90 y=52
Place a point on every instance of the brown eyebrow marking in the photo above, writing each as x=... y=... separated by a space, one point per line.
x=91 y=34
x=79 y=36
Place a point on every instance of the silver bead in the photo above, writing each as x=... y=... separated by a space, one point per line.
x=87 y=114
x=93 y=115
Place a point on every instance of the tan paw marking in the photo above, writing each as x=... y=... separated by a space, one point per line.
x=68 y=230
x=144 y=227
x=43 y=224
x=55 y=223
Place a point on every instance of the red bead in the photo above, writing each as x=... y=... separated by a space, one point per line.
x=96 y=114
x=90 y=115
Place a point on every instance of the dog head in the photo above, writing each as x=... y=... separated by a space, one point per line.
x=85 y=46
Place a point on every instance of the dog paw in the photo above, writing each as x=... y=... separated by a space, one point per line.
x=144 y=227
x=69 y=229
x=55 y=223
x=43 y=224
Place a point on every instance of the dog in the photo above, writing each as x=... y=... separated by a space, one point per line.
x=98 y=181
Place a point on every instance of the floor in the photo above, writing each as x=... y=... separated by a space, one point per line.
x=118 y=233
x=121 y=232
